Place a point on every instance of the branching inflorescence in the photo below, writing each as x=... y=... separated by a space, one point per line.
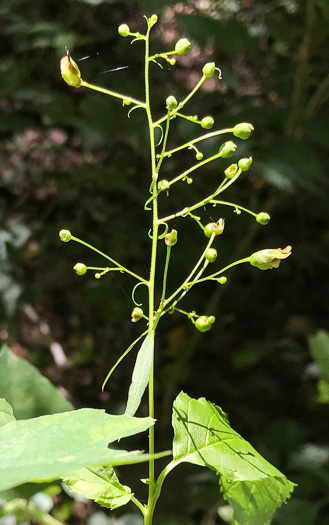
x=143 y=374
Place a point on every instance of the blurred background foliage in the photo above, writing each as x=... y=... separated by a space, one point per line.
x=70 y=158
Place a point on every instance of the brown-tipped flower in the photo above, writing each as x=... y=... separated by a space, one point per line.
x=268 y=259
x=70 y=71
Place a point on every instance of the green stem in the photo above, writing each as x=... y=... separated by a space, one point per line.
x=120 y=267
x=186 y=211
x=187 y=280
x=238 y=207
x=184 y=292
x=138 y=504
x=148 y=515
x=121 y=358
x=165 y=138
x=199 y=139
x=113 y=94
x=212 y=276
x=182 y=104
x=165 y=274
x=195 y=167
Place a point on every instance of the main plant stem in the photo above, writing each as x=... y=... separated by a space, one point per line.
x=148 y=516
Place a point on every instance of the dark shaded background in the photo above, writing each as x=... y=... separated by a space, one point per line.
x=69 y=158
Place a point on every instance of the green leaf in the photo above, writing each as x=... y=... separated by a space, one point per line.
x=6 y=413
x=141 y=374
x=203 y=436
x=51 y=447
x=29 y=392
x=319 y=348
x=101 y=485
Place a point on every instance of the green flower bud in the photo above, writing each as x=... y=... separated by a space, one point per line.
x=153 y=20
x=163 y=185
x=189 y=180
x=70 y=71
x=80 y=268
x=199 y=155
x=263 y=218
x=231 y=171
x=214 y=227
x=243 y=130
x=227 y=149
x=171 y=238
x=124 y=30
x=65 y=235
x=268 y=259
x=211 y=255
x=172 y=61
x=171 y=103
x=207 y=122
x=136 y=314
x=222 y=280
x=182 y=46
x=244 y=164
x=126 y=102
x=209 y=69
x=204 y=322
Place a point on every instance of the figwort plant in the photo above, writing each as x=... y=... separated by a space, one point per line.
x=74 y=445
x=202 y=433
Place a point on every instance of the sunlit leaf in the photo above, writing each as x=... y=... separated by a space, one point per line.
x=203 y=436
x=101 y=485
x=51 y=447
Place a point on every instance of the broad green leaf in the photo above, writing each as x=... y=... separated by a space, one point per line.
x=101 y=485
x=6 y=413
x=51 y=447
x=141 y=374
x=319 y=348
x=203 y=436
x=29 y=392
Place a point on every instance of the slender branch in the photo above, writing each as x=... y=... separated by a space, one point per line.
x=186 y=99
x=199 y=139
x=195 y=269
x=165 y=274
x=122 y=268
x=212 y=276
x=113 y=94
x=195 y=167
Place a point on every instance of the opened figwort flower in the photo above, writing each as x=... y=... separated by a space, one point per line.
x=268 y=259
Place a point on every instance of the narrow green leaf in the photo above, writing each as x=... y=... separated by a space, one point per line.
x=51 y=447
x=29 y=392
x=101 y=485
x=6 y=413
x=141 y=374
x=203 y=436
